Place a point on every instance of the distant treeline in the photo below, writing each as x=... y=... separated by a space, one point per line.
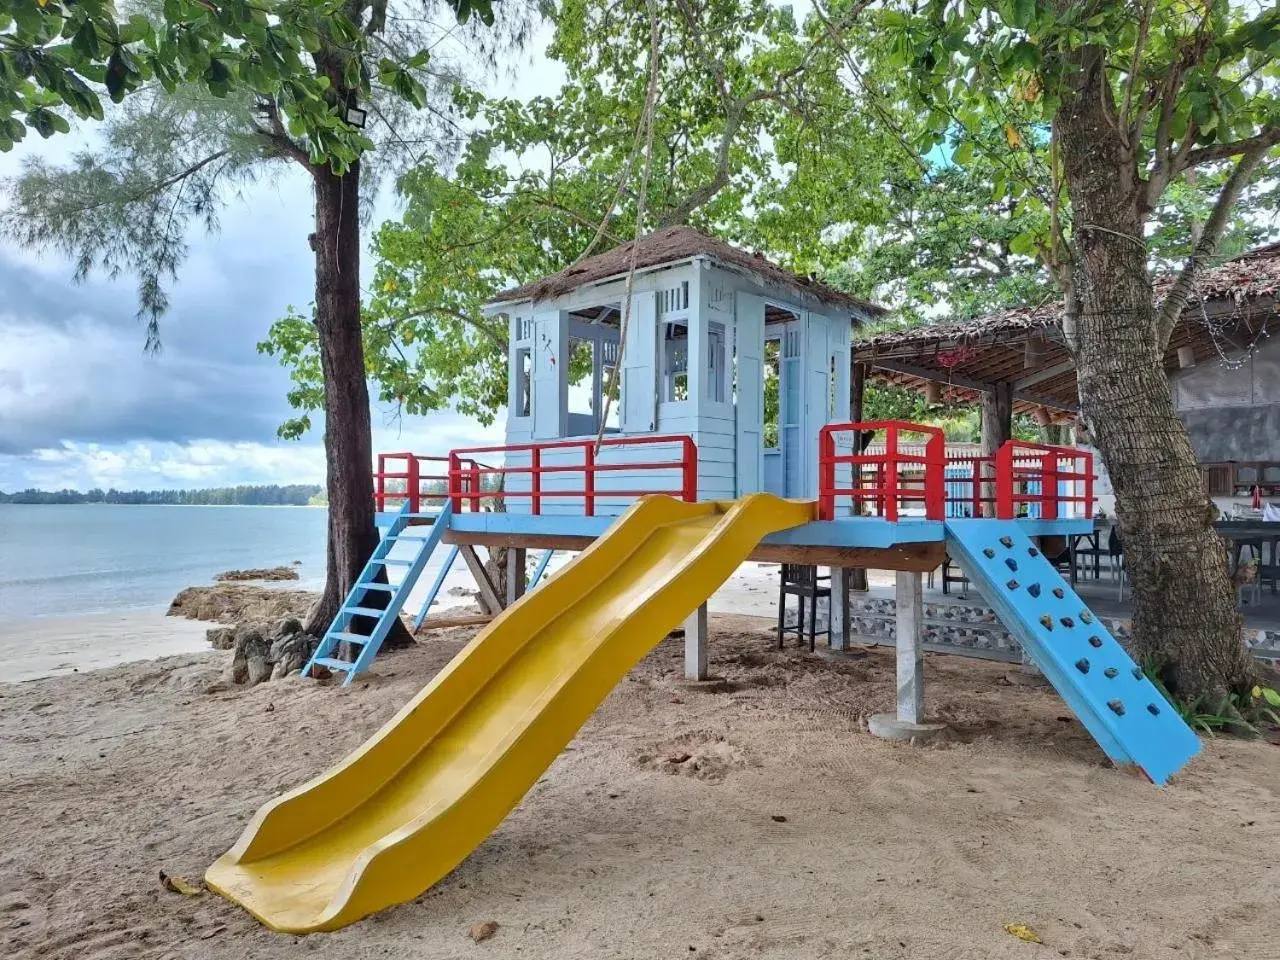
x=269 y=495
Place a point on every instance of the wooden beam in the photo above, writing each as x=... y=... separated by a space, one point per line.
x=517 y=573
x=969 y=383
x=923 y=556
x=489 y=600
x=1048 y=373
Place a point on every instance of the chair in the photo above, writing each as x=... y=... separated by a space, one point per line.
x=1090 y=545
x=802 y=581
x=1115 y=550
x=949 y=578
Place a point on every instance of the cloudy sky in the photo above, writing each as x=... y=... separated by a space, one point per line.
x=82 y=405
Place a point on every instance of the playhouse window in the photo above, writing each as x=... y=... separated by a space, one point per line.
x=675 y=361
x=716 y=362
x=524 y=382
x=772 y=394
x=581 y=373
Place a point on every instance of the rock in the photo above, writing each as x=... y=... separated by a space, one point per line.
x=481 y=932
x=287 y=626
x=257 y=573
x=238 y=603
x=221 y=638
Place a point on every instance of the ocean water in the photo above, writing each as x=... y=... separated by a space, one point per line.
x=94 y=558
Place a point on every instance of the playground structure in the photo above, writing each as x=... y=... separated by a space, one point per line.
x=408 y=806
x=730 y=440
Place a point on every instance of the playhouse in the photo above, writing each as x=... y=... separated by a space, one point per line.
x=747 y=360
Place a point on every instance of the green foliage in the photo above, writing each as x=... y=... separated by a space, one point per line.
x=1238 y=713
x=272 y=495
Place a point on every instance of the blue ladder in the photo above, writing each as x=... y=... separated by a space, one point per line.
x=1101 y=684
x=451 y=556
x=340 y=631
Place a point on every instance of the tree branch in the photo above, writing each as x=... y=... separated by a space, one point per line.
x=1176 y=300
x=1267 y=139
x=277 y=136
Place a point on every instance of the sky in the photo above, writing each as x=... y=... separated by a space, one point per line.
x=81 y=403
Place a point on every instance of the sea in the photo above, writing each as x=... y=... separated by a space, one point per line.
x=68 y=560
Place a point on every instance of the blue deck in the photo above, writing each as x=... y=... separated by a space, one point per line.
x=869 y=532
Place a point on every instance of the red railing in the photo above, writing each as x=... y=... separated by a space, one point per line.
x=1022 y=466
x=878 y=483
x=466 y=476
x=969 y=493
x=419 y=485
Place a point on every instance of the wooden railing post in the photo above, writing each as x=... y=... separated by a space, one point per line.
x=589 y=480
x=535 y=481
x=689 y=459
x=889 y=490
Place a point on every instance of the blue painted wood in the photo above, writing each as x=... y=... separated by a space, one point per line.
x=1119 y=706
x=340 y=631
x=540 y=569
x=451 y=556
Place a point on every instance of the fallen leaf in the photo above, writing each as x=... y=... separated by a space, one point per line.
x=777 y=818
x=480 y=932
x=1022 y=932
x=179 y=885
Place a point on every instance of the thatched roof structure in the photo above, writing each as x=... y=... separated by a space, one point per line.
x=675 y=245
x=1024 y=346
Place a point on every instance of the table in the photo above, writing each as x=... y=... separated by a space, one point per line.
x=1256 y=534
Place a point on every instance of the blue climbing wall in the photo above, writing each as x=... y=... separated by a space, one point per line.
x=1099 y=681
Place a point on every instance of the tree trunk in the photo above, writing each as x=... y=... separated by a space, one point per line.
x=348 y=441
x=1184 y=610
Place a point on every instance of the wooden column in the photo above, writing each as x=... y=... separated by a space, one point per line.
x=908 y=595
x=517 y=573
x=997 y=429
x=695 y=645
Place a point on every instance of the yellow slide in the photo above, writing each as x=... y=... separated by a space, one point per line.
x=409 y=805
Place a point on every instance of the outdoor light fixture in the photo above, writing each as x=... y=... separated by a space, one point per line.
x=1186 y=358
x=355 y=117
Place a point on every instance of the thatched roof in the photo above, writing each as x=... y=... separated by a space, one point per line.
x=673 y=245
x=1024 y=346
x=1250 y=276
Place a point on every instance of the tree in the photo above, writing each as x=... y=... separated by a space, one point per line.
x=1104 y=110
x=244 y=85
x=755 y=141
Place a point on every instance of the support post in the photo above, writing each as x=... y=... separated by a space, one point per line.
x=517 y=573
x=489 y=600
x=909 y=596
x=996 y=430
x=695 y=645
x=841 y=628
x=857 y=395
x=908 y=722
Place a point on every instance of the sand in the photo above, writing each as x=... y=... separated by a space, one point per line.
x=788 y=832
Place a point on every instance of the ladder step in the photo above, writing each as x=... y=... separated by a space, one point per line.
x=332 y=664
x=392 y=562
x=385 y=587
x=363 y=611
x=350 y=638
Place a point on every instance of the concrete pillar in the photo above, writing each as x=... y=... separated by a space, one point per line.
x=909 y=596
x=695 y=645
x=841 y=628
x=517 y=573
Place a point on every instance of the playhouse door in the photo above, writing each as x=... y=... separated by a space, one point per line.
x=783 y=408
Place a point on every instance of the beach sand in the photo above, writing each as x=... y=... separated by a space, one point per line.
x=787 y=833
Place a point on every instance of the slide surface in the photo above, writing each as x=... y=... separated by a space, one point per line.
x=1099 y=681
x=410 y=804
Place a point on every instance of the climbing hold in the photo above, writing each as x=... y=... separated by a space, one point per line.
x=988 y=553
x=1095 y=642
x=1011 y=563
x=1086 y=616
x=1137 y=673
x=1116 y=707
x=1110 y=673
x=1068 y=622
x=1034 y=589
x=1047 y=622
x=1007 y=542
x=1057 y=592
x=1082 y=665
x=1032 y=552
x=1012 y=584
x=1153 y=709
